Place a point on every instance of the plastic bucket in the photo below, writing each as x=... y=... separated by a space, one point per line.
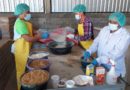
x=38 y=64
x=34 y=86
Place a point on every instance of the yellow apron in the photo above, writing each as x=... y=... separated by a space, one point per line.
x=22 y=48
x=80 y=30
x=85 y=44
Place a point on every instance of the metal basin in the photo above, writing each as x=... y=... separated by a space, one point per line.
x=60 y=50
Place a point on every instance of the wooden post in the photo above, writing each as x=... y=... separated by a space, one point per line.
x=47 y=6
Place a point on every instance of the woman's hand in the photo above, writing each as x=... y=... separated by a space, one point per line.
x=29 y=38
x=86 y=55
x=37 y=35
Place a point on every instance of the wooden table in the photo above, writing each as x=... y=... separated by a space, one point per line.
x=66 y=66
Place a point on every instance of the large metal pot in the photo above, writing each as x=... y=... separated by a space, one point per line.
x=67 y=49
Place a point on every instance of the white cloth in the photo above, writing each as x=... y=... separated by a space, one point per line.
x=16 y=36
x=112 y=45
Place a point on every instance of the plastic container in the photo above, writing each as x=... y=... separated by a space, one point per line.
x=100 y=75
x=70 y=84
x=111 y=77
x=44 y=67
x=61 y=83
x=55 y=80
x=41 y=86
x=58 y=35
x=90 y=70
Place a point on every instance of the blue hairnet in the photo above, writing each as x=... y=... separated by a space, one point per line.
x=119 y=17
x=79 y=8
x=21 y=8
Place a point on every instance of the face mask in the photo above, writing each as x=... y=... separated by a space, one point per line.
x=77 y=17
x=113 y=27
x=27 y=17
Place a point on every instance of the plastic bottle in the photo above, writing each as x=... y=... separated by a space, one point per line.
x=111 y=77
x=90 y=70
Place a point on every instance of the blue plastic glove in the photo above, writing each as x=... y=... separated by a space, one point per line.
x=86 y=55
x=94 y=62
x=45 y=35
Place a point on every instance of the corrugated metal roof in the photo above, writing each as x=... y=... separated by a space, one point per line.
x=9 y=5
x=68 y=5
x=92 y=5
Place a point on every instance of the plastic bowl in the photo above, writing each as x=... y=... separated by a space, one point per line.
x=38 y=52
x=29 y=68
x=70 y=84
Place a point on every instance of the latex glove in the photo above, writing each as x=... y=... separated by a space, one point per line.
x=45 y=35
x=94 y=62
x=86 y=55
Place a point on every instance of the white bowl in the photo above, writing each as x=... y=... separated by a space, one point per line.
x=70 y=84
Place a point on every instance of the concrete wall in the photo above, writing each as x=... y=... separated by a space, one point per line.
x=67 y=19
x=54 y=20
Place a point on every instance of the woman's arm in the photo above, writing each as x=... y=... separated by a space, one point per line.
x=30 y=38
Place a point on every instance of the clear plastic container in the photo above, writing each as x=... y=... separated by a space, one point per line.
x=55 y=80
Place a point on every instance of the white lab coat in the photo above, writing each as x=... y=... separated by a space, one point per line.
x=112 y=46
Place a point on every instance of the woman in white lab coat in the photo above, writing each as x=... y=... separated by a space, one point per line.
x=111 y=43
